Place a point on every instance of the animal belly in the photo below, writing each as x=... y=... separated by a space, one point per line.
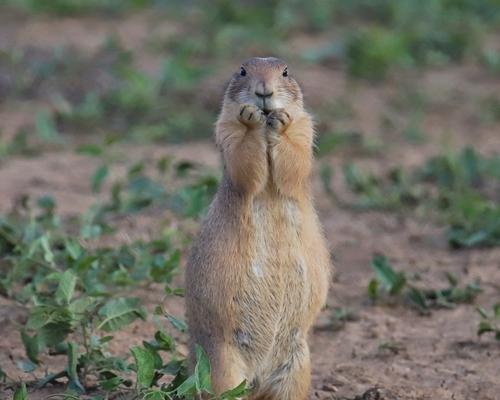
x=273 y=310
x=276 y=296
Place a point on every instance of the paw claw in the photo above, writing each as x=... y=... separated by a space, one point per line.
x=251 y=116
x=278 y=120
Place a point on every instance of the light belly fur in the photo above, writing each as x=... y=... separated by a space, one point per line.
x=277 y=271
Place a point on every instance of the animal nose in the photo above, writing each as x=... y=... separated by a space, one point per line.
x=263 y=94
x=263 y=91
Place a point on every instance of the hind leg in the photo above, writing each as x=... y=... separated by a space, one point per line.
x=228 y=367
x=290 y=380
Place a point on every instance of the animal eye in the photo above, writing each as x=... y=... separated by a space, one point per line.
x=285 y=72
x=243 y=71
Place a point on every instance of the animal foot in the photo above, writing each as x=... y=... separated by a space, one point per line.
x=278 y=120
x=251 y=116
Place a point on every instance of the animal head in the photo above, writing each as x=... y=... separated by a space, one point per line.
x=266 y=83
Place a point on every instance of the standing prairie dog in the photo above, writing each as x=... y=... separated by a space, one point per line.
x=259 y=270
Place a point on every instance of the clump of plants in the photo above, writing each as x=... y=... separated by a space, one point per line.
x=490 y=321
x=396 y=285
x=77 y=295
x=406 y=34
x=458 y=189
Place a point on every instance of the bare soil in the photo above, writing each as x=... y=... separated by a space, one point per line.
x=389 y=351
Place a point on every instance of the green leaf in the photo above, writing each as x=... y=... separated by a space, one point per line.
x=202 y=371
x=326 y=175
x=418 y=298
x=111 y=384
x=391 y=280
x=46 y=127
x=163 y=164
x=74 y=381
x=21 y=393
x=120 y=312
x=153 y=349
x=91 y=231
x=164 y=271
x=165 y=342
x=373 y=289
x=452 y=279
x=46 y=202
x=145 y=363
x=173 y=367
x=482 y=312
x=90 y=149
x=52 y=324
x=155 y=394
x=66 y=288
x=3 y=375
x=82 y=306
x=174 y=291
x=177 y=323
x=54 y=333
x=48 y=254
x=496 y=310
x=235 y=393
x=98 y=178
x=188 y=387
x=200 y=381
x=73 y=248
x=31 y=346
x=484 y=327
x=183 y=167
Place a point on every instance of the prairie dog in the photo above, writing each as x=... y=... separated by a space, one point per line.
x=259 y=270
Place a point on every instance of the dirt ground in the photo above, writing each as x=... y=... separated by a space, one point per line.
x=390 y=347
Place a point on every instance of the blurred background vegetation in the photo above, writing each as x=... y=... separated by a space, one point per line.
x=108 y=91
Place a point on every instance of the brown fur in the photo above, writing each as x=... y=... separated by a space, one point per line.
x=259 y=271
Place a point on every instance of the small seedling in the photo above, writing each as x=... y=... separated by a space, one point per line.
x=396 y=284
x=490 y=321
x=390 y=347
x=337 y=319
x=392 y=282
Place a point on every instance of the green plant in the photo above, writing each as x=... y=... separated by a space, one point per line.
x=75 y=7
x=394 y=192
x=73 y=292
x=490 y=321
x=329 y=142
x=337 y=319
x=490 y=109
x=406 y=33
x=454 y=188
x=372 y=53
x=396 y=284
x=149 y=370
x=18 y=145
x=392 y=282
x=75 y=295
x=21 y=393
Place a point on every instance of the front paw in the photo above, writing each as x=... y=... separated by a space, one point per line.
x=278 y=120
x=251 y=116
